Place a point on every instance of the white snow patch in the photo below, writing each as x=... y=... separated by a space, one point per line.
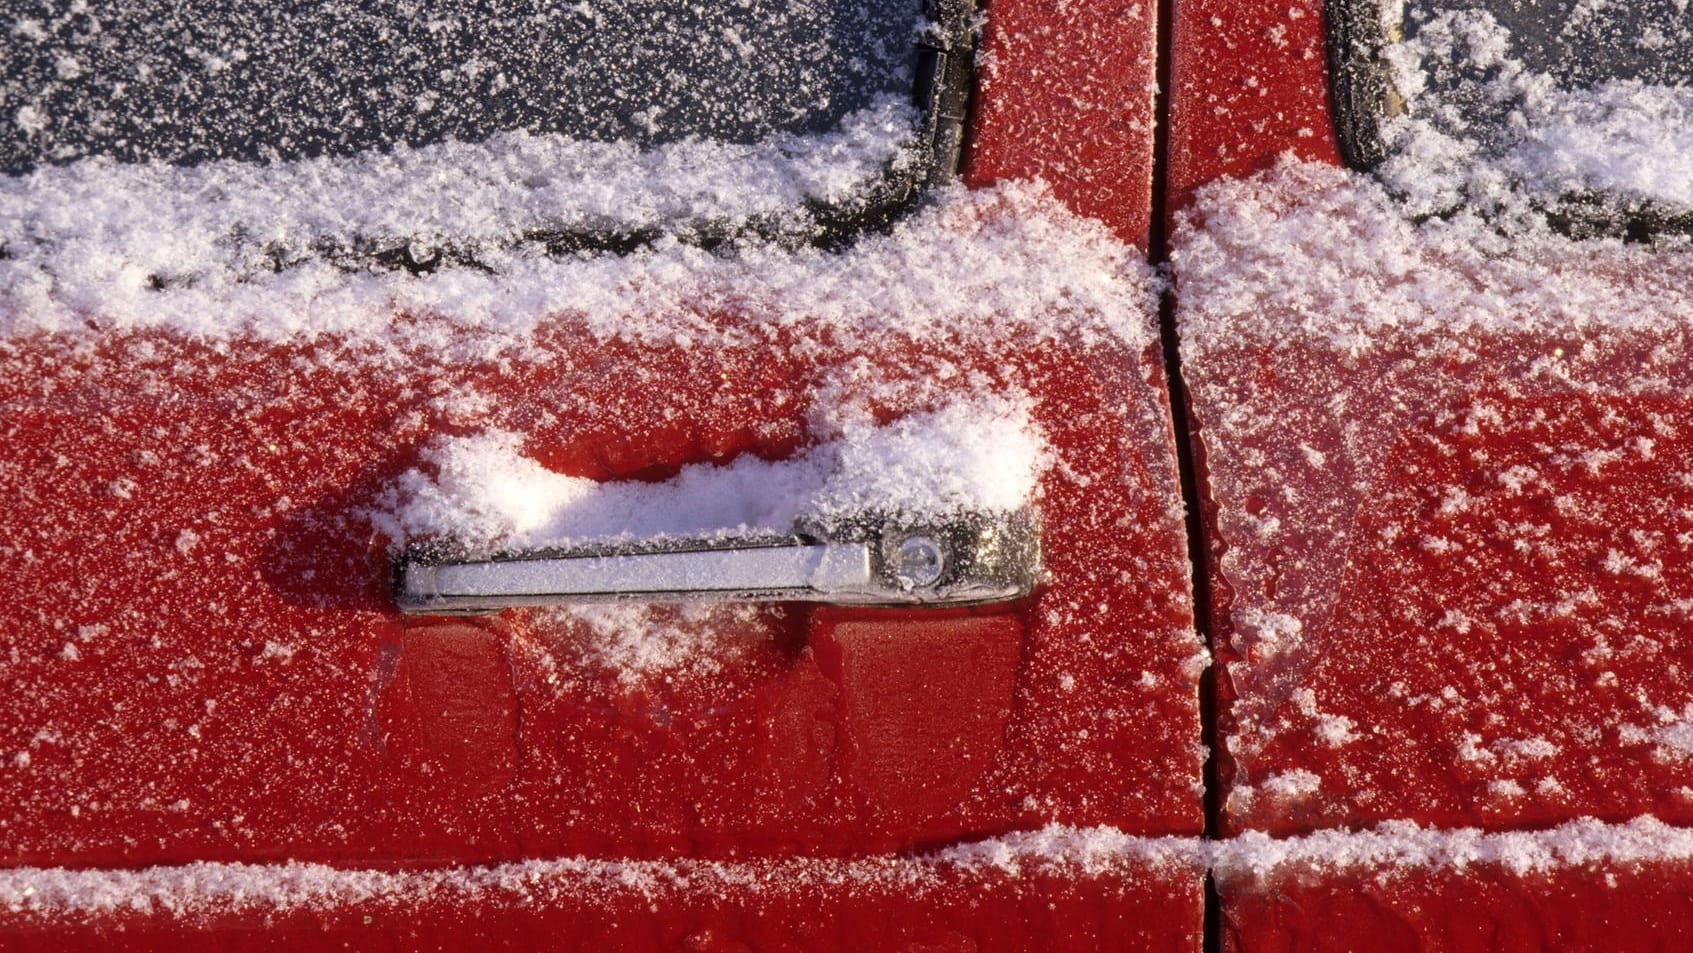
x=232 y=219
x=1317 y=250
x=1010 y=258
x=1525 y=749
x=204 y=888
x=1090 y=851
x=187 y=541
x=1627 y=140
x=1393 y=848
x=639 y=641
x=1292 y=784
x=1672 y=735
x=1336 y=730
x=1267 y=634
x=980 y=454
x=1405 y=846
x=1505 y=789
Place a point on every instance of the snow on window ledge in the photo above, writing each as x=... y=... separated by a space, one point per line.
x=1484 y=131
x=1008 y=257
x=245 y=218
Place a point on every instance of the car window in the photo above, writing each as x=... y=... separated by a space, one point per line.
x=647 y=93
x=204 y=79
x=1581 y=108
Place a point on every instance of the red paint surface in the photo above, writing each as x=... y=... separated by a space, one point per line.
x=924 y=705
x=250 y=695
x=1521 y=677
x=1479 y=909
x=447 y=715
x=1491 y=567
x=1553 y=603
x=1067 y=96
x=246 y=694
x=189 y=521
x=1248 y=84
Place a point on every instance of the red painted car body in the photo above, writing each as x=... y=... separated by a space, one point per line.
x=208 y=668
x=1394 y=647
x=212 y=672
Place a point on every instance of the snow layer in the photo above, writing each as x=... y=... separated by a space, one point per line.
x=1336 y=256
x=1392 y=849
x=980 y=454
x=1401 y=846
x=1010 y=256
x=228 y=221
x=200 y=888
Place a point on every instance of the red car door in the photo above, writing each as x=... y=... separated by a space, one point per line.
x=219 y=731
x=1438 y=411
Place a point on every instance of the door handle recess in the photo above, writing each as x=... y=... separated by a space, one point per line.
x=869 y=559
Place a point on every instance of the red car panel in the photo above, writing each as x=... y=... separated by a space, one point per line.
x=1480 y=582
x=1068 y=96
x=826 y=730
x=1246 y=86
x=206 y=665
x=1448 y=563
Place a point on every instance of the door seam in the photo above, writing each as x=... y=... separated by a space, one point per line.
x=1183 y=432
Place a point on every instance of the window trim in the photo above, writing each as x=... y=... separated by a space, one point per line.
x=1357 y=80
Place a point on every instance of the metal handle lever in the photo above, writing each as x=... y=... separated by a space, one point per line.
x=871 y=559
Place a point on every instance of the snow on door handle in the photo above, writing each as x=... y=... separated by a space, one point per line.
x=890 y=559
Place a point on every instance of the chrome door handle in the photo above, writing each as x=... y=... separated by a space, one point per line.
x=866 y=559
